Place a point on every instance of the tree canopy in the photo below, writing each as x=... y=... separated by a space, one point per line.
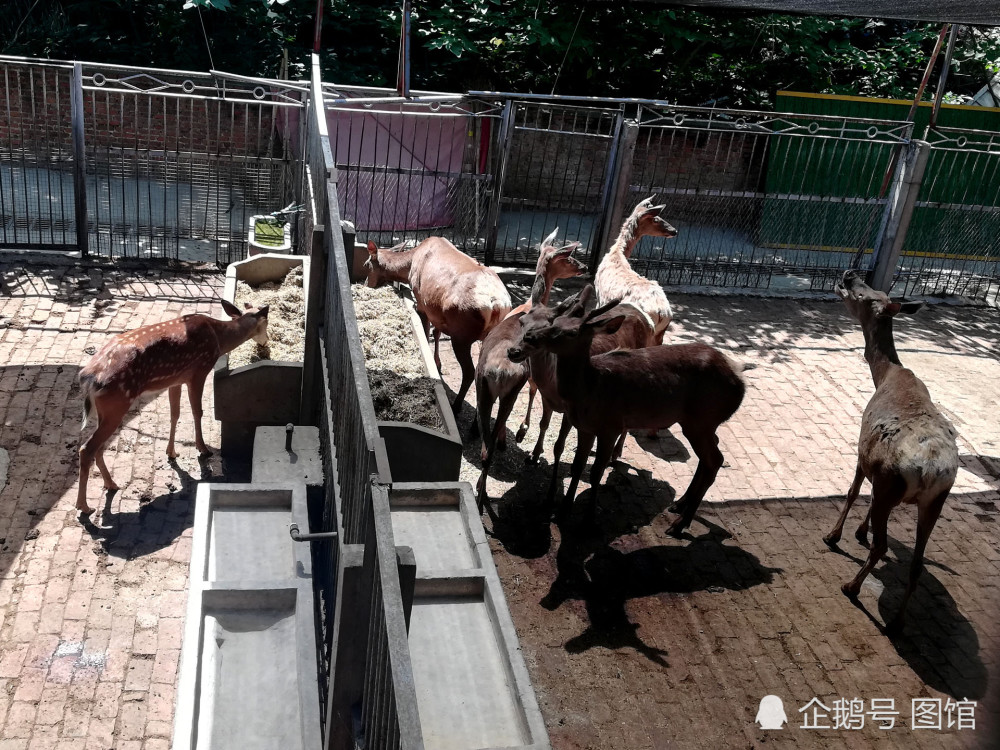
x=595 y=49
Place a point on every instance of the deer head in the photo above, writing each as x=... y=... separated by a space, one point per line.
x=536 y=325
x=867 y=305
x=649 y=222
x=256 y=319
x=380 y=267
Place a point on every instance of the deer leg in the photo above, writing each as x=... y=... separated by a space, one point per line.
x=437 y=356
x=883 y=501
x=557 y=450
x=706 y=448
x=852 y=494
x=862 y=533
x=523 y=429
x=927 y=516
x=616 y=454
x=195 y=390
x=463 y=353
x=543 y=426
x=584 y=442
x=109 y=417
x=605 y=446
x=174 y=393
x=503 y=414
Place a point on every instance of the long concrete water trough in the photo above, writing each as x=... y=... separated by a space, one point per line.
x=472 y=685
x=248 y=663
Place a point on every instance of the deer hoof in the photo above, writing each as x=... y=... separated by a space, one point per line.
x=850 y=592
x=831 y=540
x=84 y=509
x=204 y=451
x=521 y=432
x=172 y=453
x=112 y=485
x=532 y=459
x=862 y=539
x=676 y=527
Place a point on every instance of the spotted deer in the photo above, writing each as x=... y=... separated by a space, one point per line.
x=907 y=448
x=162 y=355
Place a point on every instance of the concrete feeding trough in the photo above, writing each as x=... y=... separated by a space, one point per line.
x=248 y=660
x=472 y=685
x=417 y=453
x=267 y=392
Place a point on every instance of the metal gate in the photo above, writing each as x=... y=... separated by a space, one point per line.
x=139 y=162
x=556 y=170
x=36 y=156
x=952 y=245
x=760 y=200
x=411 y=168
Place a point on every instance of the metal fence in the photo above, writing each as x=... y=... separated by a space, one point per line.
x=367 y=675
x=760 y=196
x=952 y=244
x=137 y=162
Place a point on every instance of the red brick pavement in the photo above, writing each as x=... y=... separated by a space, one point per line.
x=90 y=618
x=637 y=640
x=633 y=640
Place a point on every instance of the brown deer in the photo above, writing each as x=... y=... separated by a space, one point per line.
x=162 y=355
x=651 y=388
x=644 y=221
x=615 y=279
x=497 y=377
x=907 y=448
x=455 y=293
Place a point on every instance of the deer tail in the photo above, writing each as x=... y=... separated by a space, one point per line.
x=87 y=387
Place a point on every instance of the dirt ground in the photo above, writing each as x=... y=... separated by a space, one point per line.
x=637 y=640
x=632 y=639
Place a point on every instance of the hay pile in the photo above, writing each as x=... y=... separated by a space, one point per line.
x=400 y=388
x=286 y=320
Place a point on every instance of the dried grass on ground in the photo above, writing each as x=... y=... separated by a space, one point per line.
x=400 y=388
x=286 y=320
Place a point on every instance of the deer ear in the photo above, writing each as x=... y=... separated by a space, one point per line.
x=262 y=312
x=603 y=309
x=548 y=240
x=231 y=310
x=611 y=325
x=372 y=248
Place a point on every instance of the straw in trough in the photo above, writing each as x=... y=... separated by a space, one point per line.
x=400 y=387
x=285 y=320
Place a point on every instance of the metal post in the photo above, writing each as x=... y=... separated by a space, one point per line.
x=312 y=375
x=79 y=159
x=613 y=204
x=943 y=80
x=403 y=69
x=493 y=222
x=350 y=639
x=902 y=200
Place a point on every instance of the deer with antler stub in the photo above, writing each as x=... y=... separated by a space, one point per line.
x=456 y=294
x=498 y=379
x=151 y=358
x=616 y=281
x=694 y=385
x=907 y=448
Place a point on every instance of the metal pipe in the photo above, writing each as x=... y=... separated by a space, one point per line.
x=403 y=69
x=298 y=536
x=943 y=80
x=318 y=28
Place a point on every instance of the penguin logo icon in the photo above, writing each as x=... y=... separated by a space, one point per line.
x=771 y=714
